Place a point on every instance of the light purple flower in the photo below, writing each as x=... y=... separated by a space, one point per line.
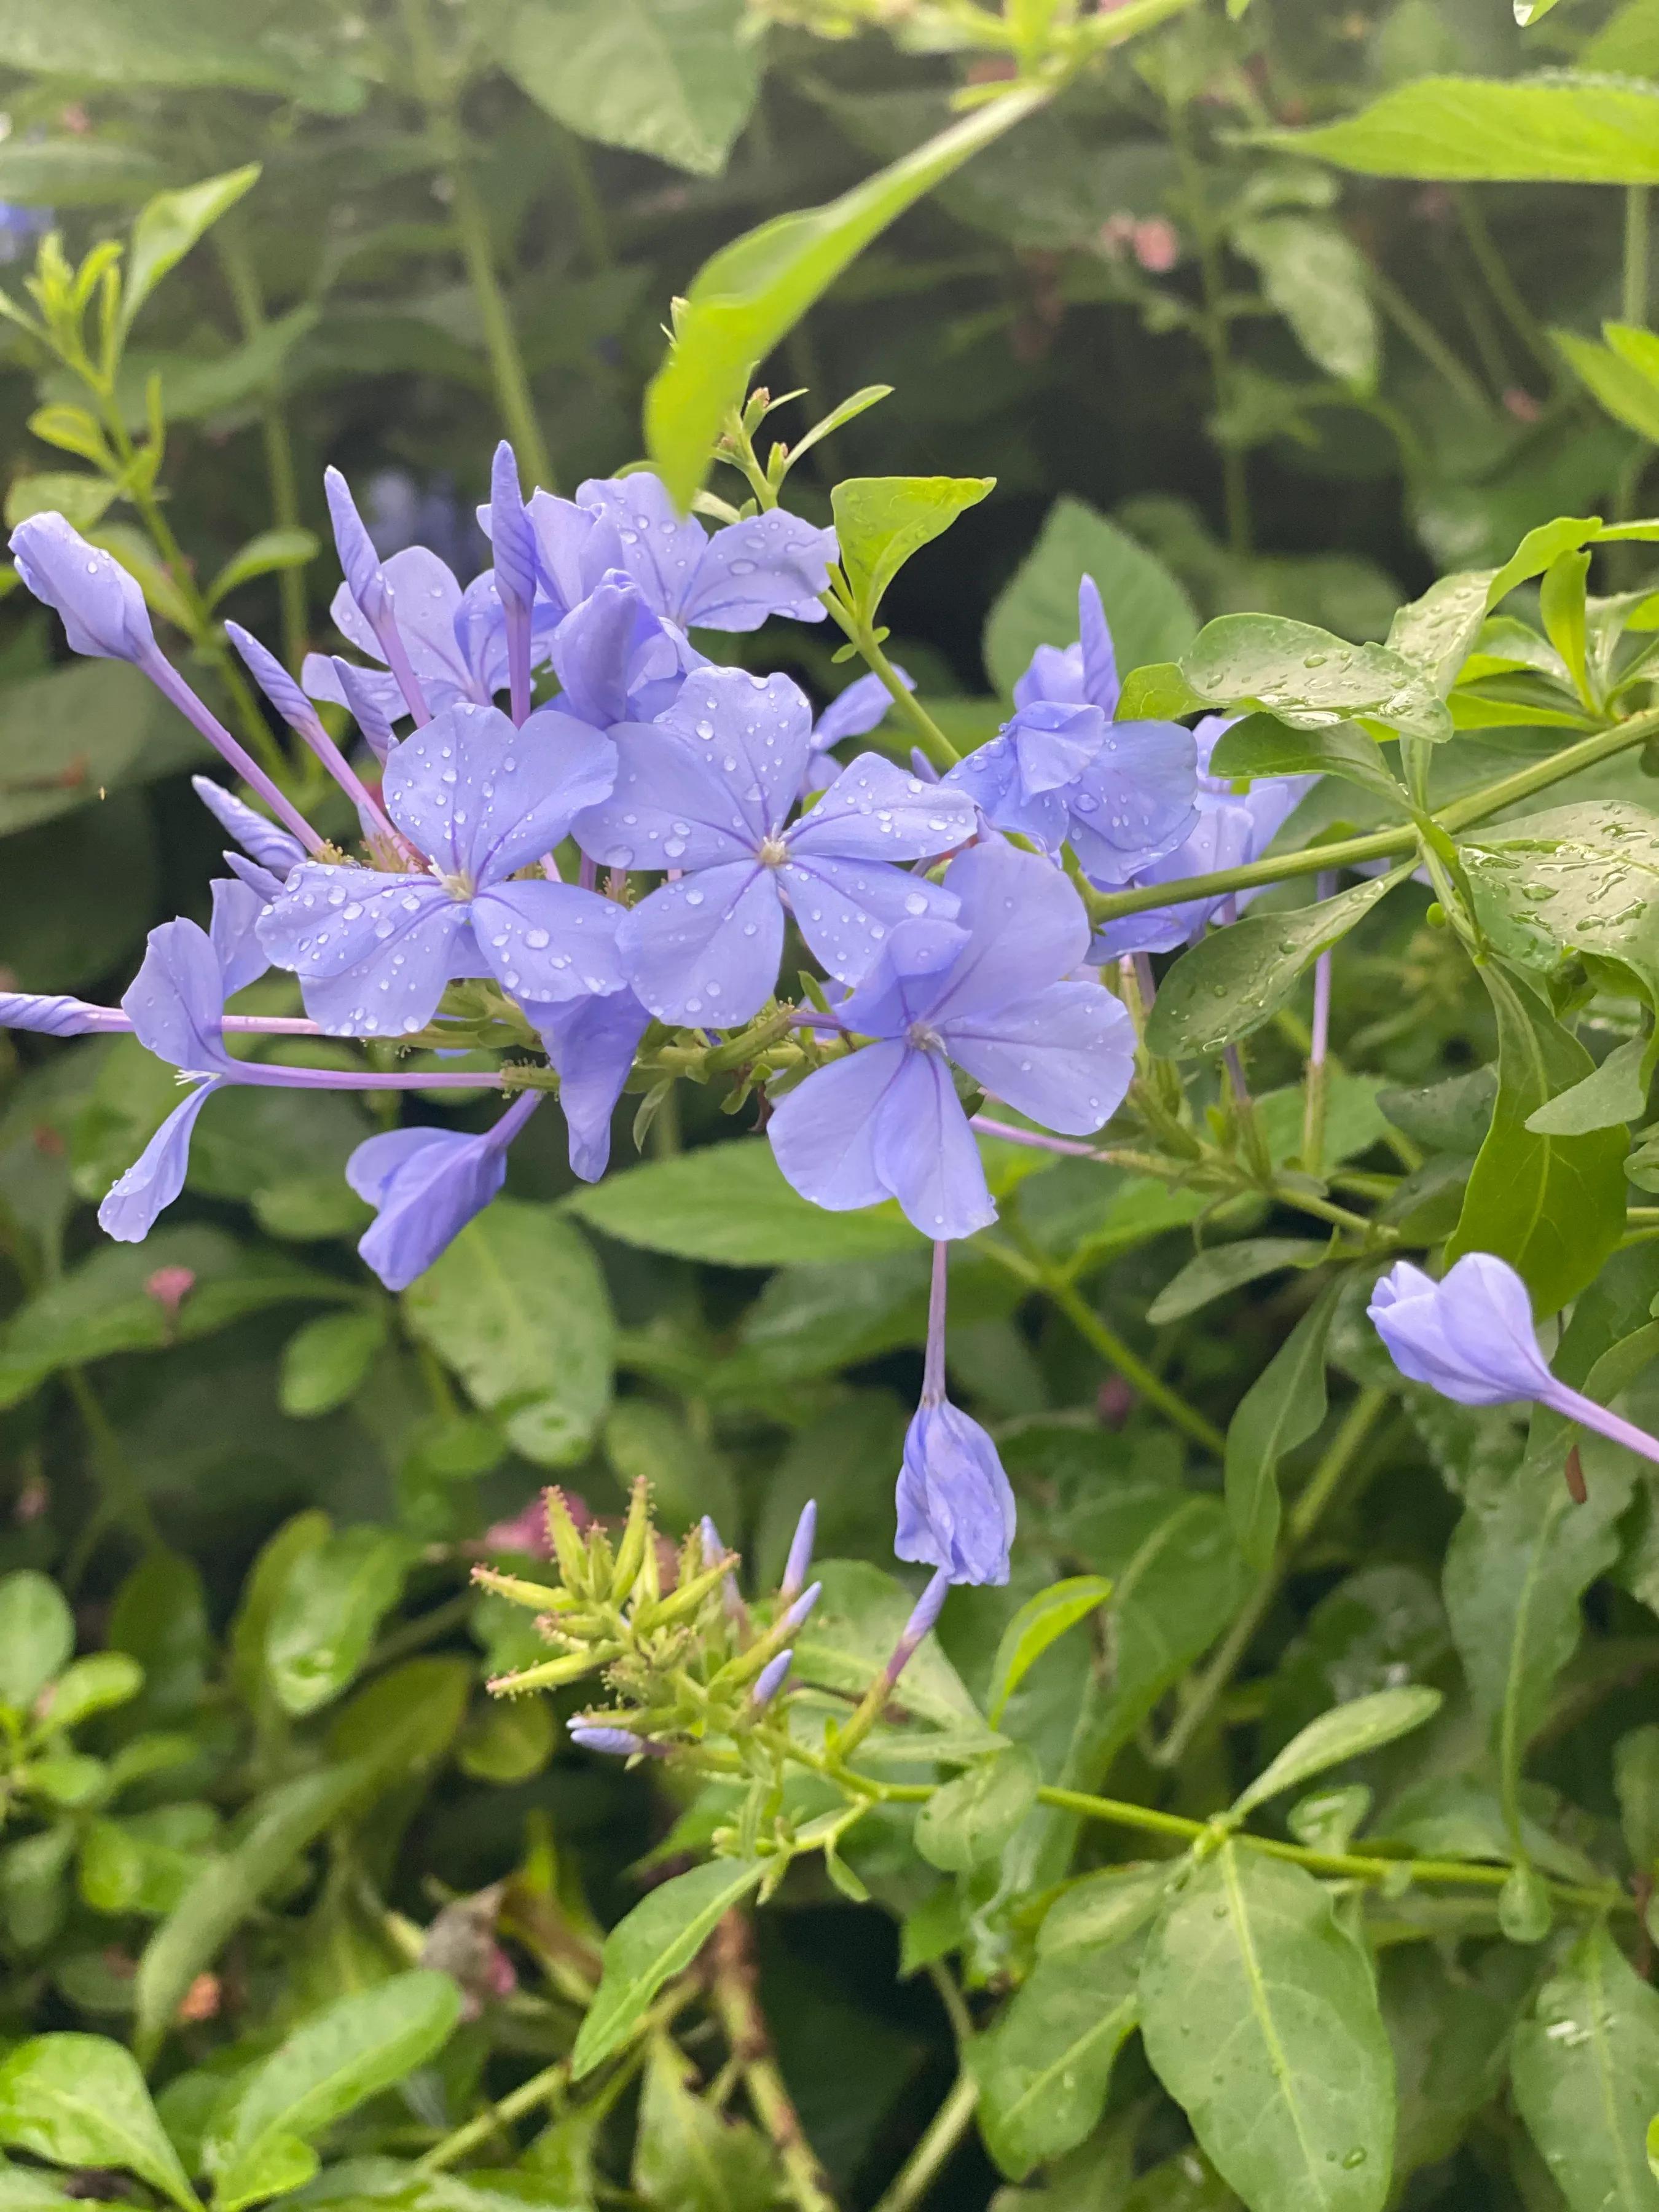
x=273 y=848
x=616 y=1742
x=1233 y=829
x=513 y=540
x=956 y=1509
x=374 y=952
x=770 y=564
x=1470 y=1337
x=591 y=1043
x=425 y=1186
x=986 y=992
x=853 y=713
x=56 y=1016
x=616 y=661
x=708 y=790
x=769 y=1680
x=800 y=1552
x=1062 y=771
x=100 y=604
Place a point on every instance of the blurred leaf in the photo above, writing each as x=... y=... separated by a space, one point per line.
x=337 y=2058
x=966 y=1823
x=1260 y=2020
x=262 y=557
x=68 y=738
x=751 y=293
x=77 y=172
x=1552 y=1206
x=169 y=226
x=1221 y=1269
x=1231 y=982
x=1037 y=1623
x=1348 y=1731
x=172 y=42
x=1044 y=2069
x=1592 y=2048
x=1282 y=1408
x=509 y=1741
x=80 y=499
x=96 y=1684
x=1636 y=1776
x=80 y=2100
x=37 y=1635
x=1624 y=378
x=880 y=521
x=518 y=1307
x=659 y=1938
x=159 y=1617
x=730 y=1204
x=334 y=1599
x=1151 y=618
x=687 y=1476
x=690 y=2157
x=672 y=78
x=1316 y=277
x=324 y=1362
x=1560 y=130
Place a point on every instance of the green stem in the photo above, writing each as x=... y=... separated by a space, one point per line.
x=1633 y=306
x=1417 y=329
x=1362 y=1417
x=1213 y=323
x=1502 y=286
x=512 y=381
x=597 y=249
x=945 y=2131
x=281 y=474
x=737 y=2001
x=497 y=2118
x=933 y=741
x=123 y=1497
x=1041 y=1276
x=1386 y=844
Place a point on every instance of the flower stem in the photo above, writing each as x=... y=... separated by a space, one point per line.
x=281 y=474
x=512 y=381
x=737 y=2003
x=932 y=740
x=926 y=2162
x=496 y=2118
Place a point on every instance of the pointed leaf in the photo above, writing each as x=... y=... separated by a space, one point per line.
x=659 y=1939
x=1039 y=1622
x=966 y=1823
x=169 y=225
x=80 y=2100
x=1044 y=2069
x=1347 y=1731
x=1586 y=2075
x=1281 y=1409
x=1563 y=131
x=880 y=521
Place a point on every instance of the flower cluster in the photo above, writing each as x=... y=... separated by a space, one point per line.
x=580 y=835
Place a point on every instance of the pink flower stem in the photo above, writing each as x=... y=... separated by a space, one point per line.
x=933 y=1372
x=1036 y=1139
x=1575 y=1406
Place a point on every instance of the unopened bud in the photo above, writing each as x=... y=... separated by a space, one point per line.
x=170 y=1287
x=770 y=1679
x=801 y=1552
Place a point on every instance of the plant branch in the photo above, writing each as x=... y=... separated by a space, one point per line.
x=945 y=2131
x=737 y=2002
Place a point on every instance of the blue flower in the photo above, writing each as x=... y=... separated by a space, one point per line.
x=1063 y=771
x=1232 y=829
x=770 y=564
x=708 y=790
x=425 y=1186
x=100 y=606
x=853 y=713
x=374 y=952
x=273 y=849
x=591 y=1043
x=956 y=1509
x=986 y=992
x=56 y=1016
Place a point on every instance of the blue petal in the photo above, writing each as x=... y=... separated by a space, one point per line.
x=591 y=650
x=671 y=807
x=100 y=606
x=1099 y=657
x=1064 y=1056
x=956 y=1509
x=176 y=1001
x=822 y=1132
x=271 y=847
x=755 y=733
x=1135 y=801
x=157 y=1175
x=591 y=1042
x=875 y=811
x=861 y=707
x=237 y=908
x=373 y=952
x=574 y=547
x=483 y=798
x=1026 y=924
x=905 y=978
x=924 y=1152
x=428 y=1190
x=706 y=950
x=767 y=564
x=1054 y=744
x=847 y=910
x=546 y=941
x=990 y=776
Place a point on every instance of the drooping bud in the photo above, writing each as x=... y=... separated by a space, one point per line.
x=618 y=1743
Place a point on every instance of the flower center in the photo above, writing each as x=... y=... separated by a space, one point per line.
x=923 y=1038
x=772 y=851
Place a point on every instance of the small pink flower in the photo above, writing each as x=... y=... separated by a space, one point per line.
x=170 y=1287
x=1157 y=245
x=1521 y=404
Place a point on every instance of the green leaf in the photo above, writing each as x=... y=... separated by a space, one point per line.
x=880 y=521
x=326 y=1362
x=1044 y=2069
x=1576 y=880
x=262 y=557
x=1616 y=1093
x=1636 y=1777
x=1281 y=1409
x=1309 y=678
x=1040 y=1621
x=1317 y=278
x=1260 y=2018
x=1538 y=548
x=690 y=2155
x=672 y=78
x=729 y=1203
x=1558 y=130
x=37 y=1635
x=160 y=1618
x=1233 y=981
x=1623 y=385
x=80 y=2100
x=284 y=1822
x=337 y=2058
x=96 y=1684
x=966 y=1823
x=659 y=1939
x=850 y=1637
x=1437 y=633
x=518 y=1307
x=325 y=1616
x=78 y=171
x=169 y=225
x=1584 y=2069
x=1260 y=744
x=1151 y=616
x=171 y=42
x=1104 y=1908
x=1347 y=1731
x=80 y=499
x=1552 y=1206
x=1221 y=1269
x=688 y=1475
x=751 y=295
x=68 y=736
